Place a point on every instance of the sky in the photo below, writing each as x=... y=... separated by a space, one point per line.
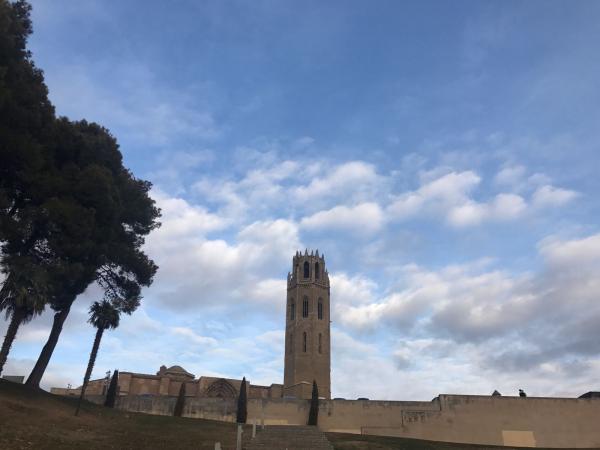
x=444 y=156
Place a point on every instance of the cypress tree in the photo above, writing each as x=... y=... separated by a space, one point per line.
x=313 y=415
x=111 y=395
x=178 y=411
x=242 y=406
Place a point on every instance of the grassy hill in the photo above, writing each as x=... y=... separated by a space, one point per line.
x=35 y=419
x=39 y=420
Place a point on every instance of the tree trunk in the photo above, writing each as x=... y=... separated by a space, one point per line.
x=88 y=372
x=35 y=377
x=15 y=321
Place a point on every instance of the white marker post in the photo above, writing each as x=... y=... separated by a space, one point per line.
x=217 y=446
x=238 y=444
x=253 y=429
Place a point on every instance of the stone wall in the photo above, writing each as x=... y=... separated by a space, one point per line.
x=528 y=422
x=200 y=408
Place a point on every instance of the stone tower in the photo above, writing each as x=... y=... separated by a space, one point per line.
x=307 y=324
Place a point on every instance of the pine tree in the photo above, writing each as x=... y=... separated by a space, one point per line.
x=26 y=118
x=69 y=209
x=313 y=415
x=242 y=406
x=178 y=411
x=102 y=216
x=111 y=395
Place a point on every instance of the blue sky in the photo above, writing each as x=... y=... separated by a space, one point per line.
x=443 y=156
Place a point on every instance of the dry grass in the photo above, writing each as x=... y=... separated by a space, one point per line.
x=357 y=442
x=35 y=419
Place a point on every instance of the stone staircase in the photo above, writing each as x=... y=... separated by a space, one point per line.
x=290 y=437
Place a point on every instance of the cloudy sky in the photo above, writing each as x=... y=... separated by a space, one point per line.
x=443 y=155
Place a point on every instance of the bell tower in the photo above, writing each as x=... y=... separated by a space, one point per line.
x=307 y=328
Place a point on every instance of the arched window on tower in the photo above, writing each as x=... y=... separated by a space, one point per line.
x=317 y=271
x=320 y=309
x=320 y=347
x=306 y=270
x=293 y=310
x=304 y=342
x=305 y=307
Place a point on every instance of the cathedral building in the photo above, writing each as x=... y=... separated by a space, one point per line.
x=307 y=349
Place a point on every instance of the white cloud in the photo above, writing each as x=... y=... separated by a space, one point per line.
x=439 y=195
x=349 y=290
x=270 y=185
x=574 y=254
x=181 y=219
x=198 y=272
x=511 y=176
x=507 y=206
x=546 y=316
x=469 y=213
x=356 y=179
x=139 y=323
x=193 y=337
x=449 y=195
x=270 y=293
x=550 y=196
x=364 y=218
x=33 y=335
x=348 y=196
x=458 y=299
x=276 y=235
x=503 y=207
x=261 y=189
x=451 y=187
x=502 y=331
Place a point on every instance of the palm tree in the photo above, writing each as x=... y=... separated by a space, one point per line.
x=23 y=296
x=103 y=315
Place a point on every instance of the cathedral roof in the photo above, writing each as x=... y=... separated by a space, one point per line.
x=177 y=370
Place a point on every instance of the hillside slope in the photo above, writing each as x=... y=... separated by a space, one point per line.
x=39 y=420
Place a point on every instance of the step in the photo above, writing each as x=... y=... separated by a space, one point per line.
x=290 y=437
